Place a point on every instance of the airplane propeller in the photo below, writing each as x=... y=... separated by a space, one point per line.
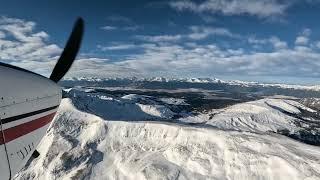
x=69 y=53
x=66 y=59
x=64 y=62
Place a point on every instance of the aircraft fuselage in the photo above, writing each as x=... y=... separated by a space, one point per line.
x=28 y=103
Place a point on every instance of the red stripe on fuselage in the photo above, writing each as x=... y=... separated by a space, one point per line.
x=23 y=129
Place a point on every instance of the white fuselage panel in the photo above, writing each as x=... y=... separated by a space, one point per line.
x=28 y=103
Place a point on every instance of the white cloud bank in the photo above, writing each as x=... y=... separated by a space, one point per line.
x=196 y=33
x=21 y=45
x=206 y=60
x=260 y=8
x=19 y=41
x=25 y=47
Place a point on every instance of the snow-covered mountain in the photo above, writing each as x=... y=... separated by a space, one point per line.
x=102 y=136
x=311 y=102
x=155 y=79
x=246 y=91
x=282 y=116
x=130 y=107
x=196 y=80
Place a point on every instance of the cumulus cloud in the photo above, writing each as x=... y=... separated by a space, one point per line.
x=2 y=35
x=20 y=41
x=124 y=28
x=303 y=39
x=23 y=46
x=30 y=49
x=260 y=8
x=109 y=28
x=117 y=47
x=306 y=32
x=160 y=38
x=205 y=60
x=183 y=57
x=254 y=40
x=276 y=43
x=196 y=33
x=99 y=67
x=317 y=44
x=118 y=22
x=202 y=32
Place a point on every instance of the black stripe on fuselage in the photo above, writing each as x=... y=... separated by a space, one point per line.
x=21 y=116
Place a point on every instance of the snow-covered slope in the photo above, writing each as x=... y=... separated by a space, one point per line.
x=81 y=145
x=277 y=114
x=123 y=108
x=258 y=116
x=311 y=102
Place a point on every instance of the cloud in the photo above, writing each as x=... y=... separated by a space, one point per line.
x=99 y=67
x=317 y=44
x=196 y=33
x=121 y=23
x=208 y=19
x=303 y=39
x=206 y=60
x=259 y=8
x=254 y=40
x=182 y=57
x=124 y=28
x=83 y=67
x=276 y=43
x=109 y=28
x=2 y=35
x=117 y=47
x=21 y=44
x=160 y=38
x=202 y=32
x=306 y=32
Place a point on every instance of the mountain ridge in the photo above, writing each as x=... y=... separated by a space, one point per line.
x=198 y=80
x=80 y=145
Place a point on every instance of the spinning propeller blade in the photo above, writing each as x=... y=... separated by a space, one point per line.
x=69 y=53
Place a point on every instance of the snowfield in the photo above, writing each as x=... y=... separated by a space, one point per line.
x=258 y=116
x=81 y=145
x=125 y=108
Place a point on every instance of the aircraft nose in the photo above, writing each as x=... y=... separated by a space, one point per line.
x=26 y=90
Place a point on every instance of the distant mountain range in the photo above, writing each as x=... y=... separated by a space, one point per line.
x=236 y=88
x=193 y=80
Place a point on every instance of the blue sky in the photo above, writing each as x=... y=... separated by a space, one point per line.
x=254 y=40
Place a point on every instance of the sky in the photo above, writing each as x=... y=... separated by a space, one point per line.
x=275 y=41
